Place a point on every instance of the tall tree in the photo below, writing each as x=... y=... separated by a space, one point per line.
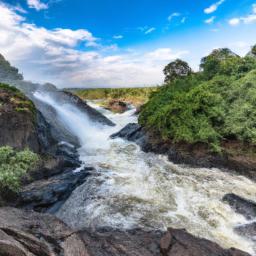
x=176 y=69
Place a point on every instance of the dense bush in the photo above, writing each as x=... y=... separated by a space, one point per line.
x=217 y=103
x=14 y=165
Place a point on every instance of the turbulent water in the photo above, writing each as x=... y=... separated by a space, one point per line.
x=130 y=188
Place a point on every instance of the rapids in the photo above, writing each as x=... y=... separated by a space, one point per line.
x=131 y=189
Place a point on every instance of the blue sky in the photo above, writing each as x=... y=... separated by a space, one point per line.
x=95 y=43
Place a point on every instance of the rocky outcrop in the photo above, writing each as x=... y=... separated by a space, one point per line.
x=240 y=205
x=47 y=195
x=117 y=106
x=174 y=242
x=17 y=120
x=195 y=155
x=248 y=209
x=26 y=233
x=92 y=113
x=178 y=242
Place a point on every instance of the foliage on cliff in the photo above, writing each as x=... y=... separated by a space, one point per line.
x=11 y=99
x=14 y=165
x=215 y=104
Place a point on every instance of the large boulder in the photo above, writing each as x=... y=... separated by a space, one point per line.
x=47 y=195
x=177 y=242
x=137 y=242
x=26 y=233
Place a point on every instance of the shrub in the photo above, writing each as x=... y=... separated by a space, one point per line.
x=14 y=165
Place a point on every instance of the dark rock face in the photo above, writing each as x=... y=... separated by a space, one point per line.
x=196 y=155
x=174 y=242
x=241 y=205
x=180 y=243
x=110 y=242
x=92 y=113
x=43 y=130
x=17 y=120
x=248 y=209
x=49 y=194
x=25 y=233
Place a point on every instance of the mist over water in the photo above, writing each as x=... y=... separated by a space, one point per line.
x=130 y=188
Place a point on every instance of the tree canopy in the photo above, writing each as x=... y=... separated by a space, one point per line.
x=176 y=69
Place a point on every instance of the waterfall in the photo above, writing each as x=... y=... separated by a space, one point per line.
x=131 y=189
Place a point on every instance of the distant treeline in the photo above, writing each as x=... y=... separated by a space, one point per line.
x=133 y=95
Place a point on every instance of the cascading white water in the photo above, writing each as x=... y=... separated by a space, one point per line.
x=131 y=188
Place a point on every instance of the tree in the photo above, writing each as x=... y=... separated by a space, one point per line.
x=220 y=61
x=176 y=69
x=254 y=50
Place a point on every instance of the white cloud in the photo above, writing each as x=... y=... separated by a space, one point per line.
x=210 y=20
x=249 y=19
x=37 y=4
x=118 y=37
x=234 y=21
x=150 y=30
x=53 y=55
x=213 y=7
x=171 y=16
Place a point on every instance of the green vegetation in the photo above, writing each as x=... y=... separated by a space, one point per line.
x=136 y=96
x=11 y=96
x=15 y=165
x=175 y=69
x=211 y=106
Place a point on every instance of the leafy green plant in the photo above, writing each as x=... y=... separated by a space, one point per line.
x=14 y=165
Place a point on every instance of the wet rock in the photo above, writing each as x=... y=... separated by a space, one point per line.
x=128 y=132
x=45 y=138
x=111 y=242
x=248 y=230
x=137 y=242
x=241 y=205
x=177 y=242
x=92 y=113
x=117 y=106
x=47 y=195
x=25 y=233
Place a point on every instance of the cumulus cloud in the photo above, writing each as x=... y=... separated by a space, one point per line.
x=213 y=7
x=249 y=19
x=37 y=4
x=53 y=55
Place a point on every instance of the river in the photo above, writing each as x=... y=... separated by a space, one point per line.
x=130 y=188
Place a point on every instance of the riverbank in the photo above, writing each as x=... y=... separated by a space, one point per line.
x=236 y=157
